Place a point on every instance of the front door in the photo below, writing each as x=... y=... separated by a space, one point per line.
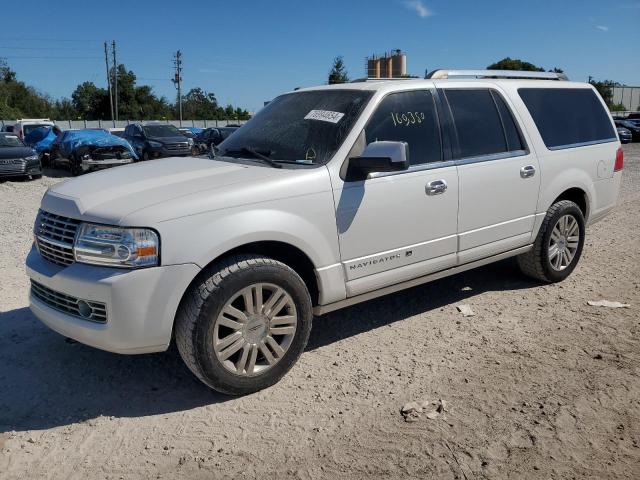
x=396 y=226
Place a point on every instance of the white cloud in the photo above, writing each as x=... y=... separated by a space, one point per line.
x=418 y=7
x=604 y=28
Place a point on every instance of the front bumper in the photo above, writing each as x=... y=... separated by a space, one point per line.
x=91 y=164
x=140 y=304
x=19 y=169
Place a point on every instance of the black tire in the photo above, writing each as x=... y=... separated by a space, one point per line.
x=145 y=156
x=74 y=166
x=203 y=302
x=535 y=263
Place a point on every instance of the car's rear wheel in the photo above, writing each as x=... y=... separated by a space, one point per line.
x=75 y=166
x=244 y=324
x=558 y=246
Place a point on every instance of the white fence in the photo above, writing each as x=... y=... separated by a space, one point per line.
x=74 y=124
x=627 y=96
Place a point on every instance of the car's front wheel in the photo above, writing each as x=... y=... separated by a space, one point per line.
x=244 y=323
x=558 y=246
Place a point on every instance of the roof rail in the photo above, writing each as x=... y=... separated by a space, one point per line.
x=382 y=79
x=437 y=74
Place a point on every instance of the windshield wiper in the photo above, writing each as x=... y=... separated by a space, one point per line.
x=254 y=153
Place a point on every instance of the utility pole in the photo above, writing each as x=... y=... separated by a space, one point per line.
x=115 y=79
x=106 y=62
x=177 y=80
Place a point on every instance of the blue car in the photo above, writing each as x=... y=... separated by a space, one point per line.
x=40 y=140
x=90 y=149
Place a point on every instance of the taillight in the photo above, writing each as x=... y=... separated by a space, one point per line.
x=619 y=160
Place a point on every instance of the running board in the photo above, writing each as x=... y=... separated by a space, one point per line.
x=322 y=309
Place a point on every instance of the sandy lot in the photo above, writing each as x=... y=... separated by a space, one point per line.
x=537 y=385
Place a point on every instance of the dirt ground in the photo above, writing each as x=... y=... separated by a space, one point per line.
x=537 y=385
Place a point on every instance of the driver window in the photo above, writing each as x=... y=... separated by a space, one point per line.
x=408 y=117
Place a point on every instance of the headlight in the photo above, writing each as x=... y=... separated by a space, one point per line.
x=117 y=247
x=32 y=158
x=155 y=144
x=190 y=141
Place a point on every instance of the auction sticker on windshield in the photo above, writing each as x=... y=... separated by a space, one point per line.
x=324 y=116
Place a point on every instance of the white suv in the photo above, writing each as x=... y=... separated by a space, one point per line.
x=329 y=196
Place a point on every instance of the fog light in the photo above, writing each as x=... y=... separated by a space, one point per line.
x=84 y=309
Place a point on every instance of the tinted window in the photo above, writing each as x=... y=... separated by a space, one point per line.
x=303 y=126
x=511 y=132
x=161 y=131
x=477 y=122
x=567 y=116
x=408 y=117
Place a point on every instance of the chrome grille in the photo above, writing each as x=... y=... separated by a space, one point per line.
x=84 y=309
x=14 y=165
x=177 y=146
x=55 y=235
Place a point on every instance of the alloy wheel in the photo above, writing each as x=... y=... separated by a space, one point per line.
x=563 y=242
x=254 y=329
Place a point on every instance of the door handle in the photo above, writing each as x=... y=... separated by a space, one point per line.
x=527 y=171
x=436 y=187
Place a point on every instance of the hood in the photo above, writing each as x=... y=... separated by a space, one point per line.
x=164 y=140
x=94 y=138
x=109 y=196
x=40 y=138
x=15 y=152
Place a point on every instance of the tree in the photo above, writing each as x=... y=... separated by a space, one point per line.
x=605 y=89
x=338 y=73
x=514 y=64
x=90 y=101
x=198 y=104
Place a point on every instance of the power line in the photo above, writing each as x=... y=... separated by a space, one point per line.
x=177 y=80
x=115 y=79
x=16 y=57
x=106 y=62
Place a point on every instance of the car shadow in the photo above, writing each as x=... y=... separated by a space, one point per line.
x=49 y=381
x=366 y=316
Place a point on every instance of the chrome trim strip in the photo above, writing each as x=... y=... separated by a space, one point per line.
x=414 y=168
x=583 y=144
x=492 y=156
x=322 y=309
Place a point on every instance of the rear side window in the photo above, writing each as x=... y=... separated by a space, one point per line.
x=568 y=116
x=483 y=123
x=408 y=117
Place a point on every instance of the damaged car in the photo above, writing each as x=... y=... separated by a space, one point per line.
x=90 y=149
x=40 y=140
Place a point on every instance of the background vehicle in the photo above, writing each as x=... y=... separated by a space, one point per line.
x=624 y=134
x=16 y=159
x=632 y=125
x=40 y=140
x=191 y=134
x=90 y=149
x=24 y=126
x=117 y=131
x=328 y=197
x=213 y=136
x=157 y=140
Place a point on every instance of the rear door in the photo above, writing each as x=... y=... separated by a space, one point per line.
x=499 y=176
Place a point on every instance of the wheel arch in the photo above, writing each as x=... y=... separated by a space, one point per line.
x=579 y=197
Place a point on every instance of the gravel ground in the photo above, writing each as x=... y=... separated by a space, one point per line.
x=537 y=385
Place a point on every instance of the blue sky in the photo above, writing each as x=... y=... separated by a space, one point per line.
x=248 y=51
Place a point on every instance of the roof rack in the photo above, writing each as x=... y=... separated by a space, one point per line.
x=438 y=74
x=382 y=79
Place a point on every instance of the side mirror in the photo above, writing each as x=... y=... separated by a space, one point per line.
x=381 y=157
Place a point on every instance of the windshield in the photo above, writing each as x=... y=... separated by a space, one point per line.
x=161 y=131
x=301 y=126
x=32 y=126
x=10 y=141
